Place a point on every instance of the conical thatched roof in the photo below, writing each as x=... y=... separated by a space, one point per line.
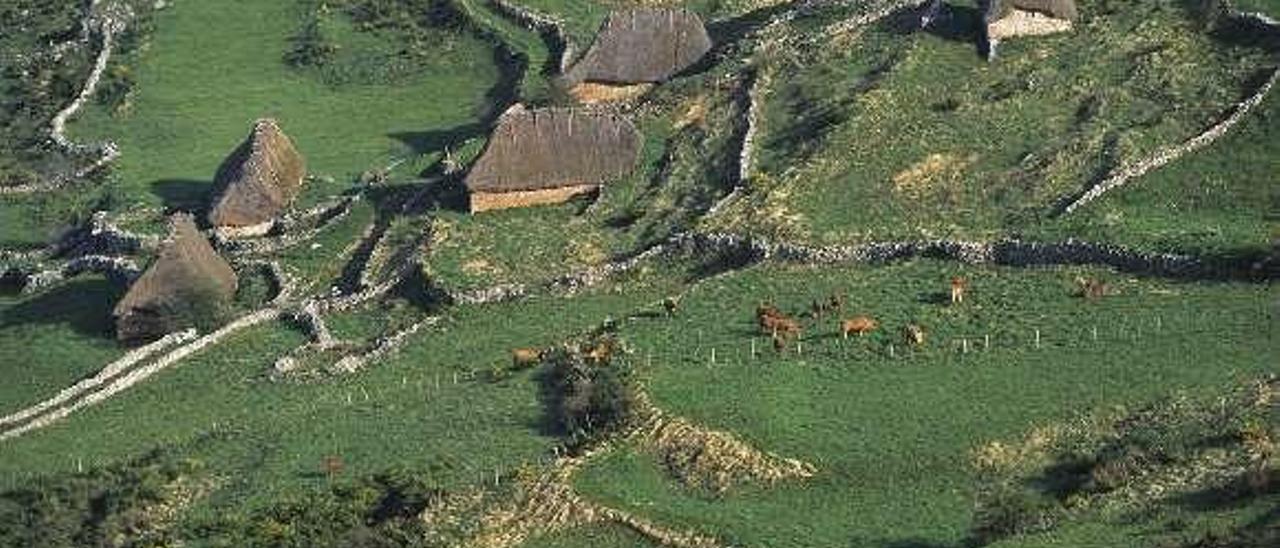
x=1059 y=9
x=187 y=278
x=642 y=45
x=258 y=179
x=554 y=147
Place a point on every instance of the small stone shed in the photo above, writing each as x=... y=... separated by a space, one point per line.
x=547 y=156
x=258 y=180
x=188 y=277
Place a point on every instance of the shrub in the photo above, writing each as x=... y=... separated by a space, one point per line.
x=1007 y=510
x=96 y=508
x=310 y=47
x=587 y=400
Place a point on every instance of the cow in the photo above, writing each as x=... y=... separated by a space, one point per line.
x=858 y=324
x=767 y=316
x=913 y=334
x=523 y=358
x=786 y=327
x=1091 y=288
x=958 y=287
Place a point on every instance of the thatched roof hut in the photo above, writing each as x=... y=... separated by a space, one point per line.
x=642 y=45
x=187 y=279
x=549 y=155
x=1010 y=18
x=258 y=180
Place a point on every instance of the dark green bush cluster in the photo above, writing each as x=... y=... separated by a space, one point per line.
x=104 y=507
x=418 y=31
x=379 y=511
x=310 y=46
x=405 y=15
x=1032 y=494
x=1007 y=509
x=587 y=399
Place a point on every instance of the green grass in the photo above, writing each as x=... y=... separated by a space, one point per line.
x=211 y=68
x=269 y=438
x=1270 y=7
x=1220 y=200
x=906 y=136
x=581 y=17
x=70 y=326
x=598 y=536
x=891 y=437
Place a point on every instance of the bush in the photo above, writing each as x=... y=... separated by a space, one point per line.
x=1008 y=510
x=587 y=400
x=103 y=507
x=381 y=510
x=310 y=47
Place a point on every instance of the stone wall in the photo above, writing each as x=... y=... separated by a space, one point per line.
x=106 y=19
x=1167 y=155
x=486 y=201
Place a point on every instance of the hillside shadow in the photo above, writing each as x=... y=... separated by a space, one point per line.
x=83 y=305
x=186 y=195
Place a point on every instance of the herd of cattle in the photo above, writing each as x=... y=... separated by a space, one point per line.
x=784 y=329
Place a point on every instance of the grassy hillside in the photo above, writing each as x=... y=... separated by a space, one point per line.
x=946 y=144
x=889 y=435
x=211 y=68
x=863 y=134
x=71 y=325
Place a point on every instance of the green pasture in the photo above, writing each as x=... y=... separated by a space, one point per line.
x=905 y=134
x=266 y=438
x=891 y=436
x=211 y=68
x=52 y=339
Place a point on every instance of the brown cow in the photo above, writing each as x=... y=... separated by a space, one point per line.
x=958 y=287
x=787 y=327
x=522 y=358
x=767 y=316
x=858 y=324
x=765 y=310
x=913 y=334
x=1091 y=288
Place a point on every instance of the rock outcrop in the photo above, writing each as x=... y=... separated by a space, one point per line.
x=1010 y=18
x=258 y=180
x=186 y=285
x=642 y=45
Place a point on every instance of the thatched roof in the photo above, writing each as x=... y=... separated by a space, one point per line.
x=554 y=147
x=187 y=271
x=1059 y=9
x=258 y=179
x=642 y=45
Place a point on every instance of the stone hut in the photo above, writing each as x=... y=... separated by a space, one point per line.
x=1011 y=18
x=188 y=279
x=635 y=48
x=257 y=181
x=547 y=156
